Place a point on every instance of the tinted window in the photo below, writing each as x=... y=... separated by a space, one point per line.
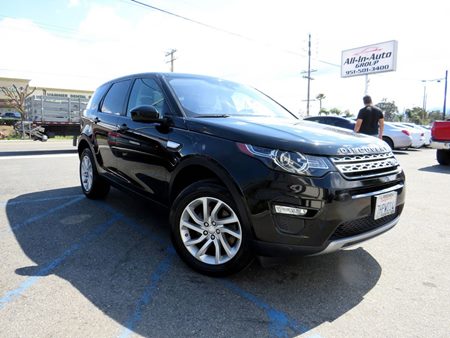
x=97 y=97
x=343 y=124
x=146 y=92
x=115 y=99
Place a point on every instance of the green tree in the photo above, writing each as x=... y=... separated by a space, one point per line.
x=324 y=112
x=320 y=97
x=416 y=115
x=434 y=116
x=335 y=111
x=347 y=114
x=389 y=109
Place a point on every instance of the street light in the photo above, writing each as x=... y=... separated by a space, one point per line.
x=425 y=92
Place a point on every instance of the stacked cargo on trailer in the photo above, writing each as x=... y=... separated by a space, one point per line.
x=58 y=114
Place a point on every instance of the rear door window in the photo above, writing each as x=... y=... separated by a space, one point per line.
x=114 y=102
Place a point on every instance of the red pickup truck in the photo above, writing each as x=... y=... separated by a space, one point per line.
x=440 y=140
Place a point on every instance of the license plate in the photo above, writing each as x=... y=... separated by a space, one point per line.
x=385 y=204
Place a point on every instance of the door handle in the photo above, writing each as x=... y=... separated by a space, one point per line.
x=122 y=127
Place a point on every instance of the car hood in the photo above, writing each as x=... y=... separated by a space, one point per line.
x=293 y=135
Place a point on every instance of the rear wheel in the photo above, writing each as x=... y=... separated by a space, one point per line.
x=207 y=230
x=92 y=184
x=443 y=156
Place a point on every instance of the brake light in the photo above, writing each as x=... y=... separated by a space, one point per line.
x=404 y=131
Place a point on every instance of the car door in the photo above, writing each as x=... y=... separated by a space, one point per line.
x=146 y=152
x=105 y=124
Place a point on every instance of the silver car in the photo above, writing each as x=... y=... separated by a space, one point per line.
x=426 y=132
x=418 y=138
x=395 y=137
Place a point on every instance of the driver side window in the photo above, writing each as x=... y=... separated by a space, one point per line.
x=146 y=92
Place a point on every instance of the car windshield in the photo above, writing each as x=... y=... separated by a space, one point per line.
x=211 y=97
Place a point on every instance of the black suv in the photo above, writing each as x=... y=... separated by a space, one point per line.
x=242 y=176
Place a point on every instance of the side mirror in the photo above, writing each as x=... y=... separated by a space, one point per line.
x=147 y=114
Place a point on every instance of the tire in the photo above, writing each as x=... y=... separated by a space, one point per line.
x=93 y=186
x=443 y=156
x=389 y=142
x=215 y=245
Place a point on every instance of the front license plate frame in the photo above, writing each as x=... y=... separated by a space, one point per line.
x=385 y=204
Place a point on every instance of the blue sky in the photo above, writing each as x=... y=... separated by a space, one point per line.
x=82 y=43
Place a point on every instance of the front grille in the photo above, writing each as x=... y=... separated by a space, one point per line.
x=362 y=225
x=363 y=166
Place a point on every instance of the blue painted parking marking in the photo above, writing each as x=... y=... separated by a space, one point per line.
x=280 y=322
x=17 y=226
x=148 y=294
x=37 y=200
x=44 y=271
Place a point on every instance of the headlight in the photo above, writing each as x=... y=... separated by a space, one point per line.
x=289 y=161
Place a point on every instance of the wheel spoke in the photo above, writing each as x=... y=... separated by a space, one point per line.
x=203 y=249
x=225 y=246
x=195 y=241
x=205 y=209
x=217 y=247
x=191 y=226
x=194 y=216
x=216 y=210
x=232 y=233
x=229 y=220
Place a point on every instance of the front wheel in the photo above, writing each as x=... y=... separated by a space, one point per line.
x=208 y=232
x=92 y=184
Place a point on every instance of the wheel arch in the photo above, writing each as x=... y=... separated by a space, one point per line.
x=192 y=170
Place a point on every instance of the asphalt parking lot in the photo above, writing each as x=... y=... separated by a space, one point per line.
x=72 y=267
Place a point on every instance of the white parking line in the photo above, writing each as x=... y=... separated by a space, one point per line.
x=36 y=156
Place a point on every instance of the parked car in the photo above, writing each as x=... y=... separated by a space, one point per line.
x=395 y=137
x=418 y=136
x=10 y=115
x=426 y=132
x=441 y=141
x=242 y=176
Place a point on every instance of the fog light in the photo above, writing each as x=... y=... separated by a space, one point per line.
x=281 y=209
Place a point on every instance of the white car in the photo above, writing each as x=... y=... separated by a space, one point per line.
x=418 y=138
x=426 y=132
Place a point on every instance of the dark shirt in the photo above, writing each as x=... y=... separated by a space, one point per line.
x=370 y=116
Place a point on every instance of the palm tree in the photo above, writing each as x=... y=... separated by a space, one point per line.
x=320 y=97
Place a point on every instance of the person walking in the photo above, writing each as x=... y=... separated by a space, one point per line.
x=370 y=120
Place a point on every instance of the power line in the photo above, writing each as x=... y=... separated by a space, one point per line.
x=225 y=31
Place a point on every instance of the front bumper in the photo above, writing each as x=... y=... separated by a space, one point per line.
x=340 y=212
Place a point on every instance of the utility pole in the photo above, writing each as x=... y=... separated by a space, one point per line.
x=445 y=96
x=172 y=59
x=309 y=75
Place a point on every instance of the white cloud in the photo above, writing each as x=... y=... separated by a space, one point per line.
x=118 y=39
x=73 y=3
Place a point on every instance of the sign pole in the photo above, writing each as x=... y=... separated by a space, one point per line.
x=445 y=96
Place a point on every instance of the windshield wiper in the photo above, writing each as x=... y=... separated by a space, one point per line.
x=212 y=115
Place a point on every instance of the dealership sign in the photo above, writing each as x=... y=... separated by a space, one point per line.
x=378 y=58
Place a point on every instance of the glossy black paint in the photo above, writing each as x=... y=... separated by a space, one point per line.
x=158 y=159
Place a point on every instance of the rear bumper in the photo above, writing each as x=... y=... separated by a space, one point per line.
x=440 y=145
